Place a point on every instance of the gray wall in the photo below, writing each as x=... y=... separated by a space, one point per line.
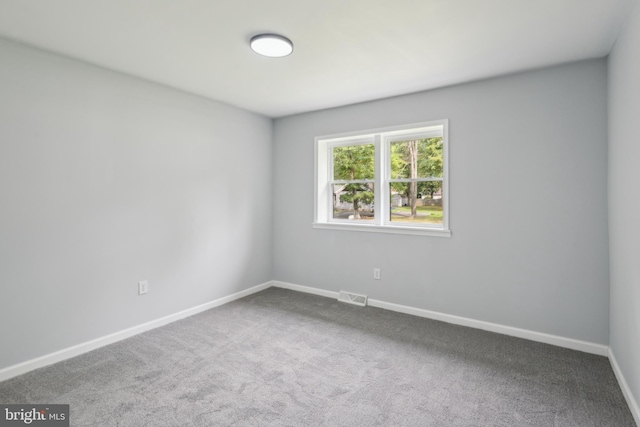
x=528 y=205
x=106 y=180
x=624 y=200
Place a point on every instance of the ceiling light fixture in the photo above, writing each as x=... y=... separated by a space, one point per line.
x=271 y=45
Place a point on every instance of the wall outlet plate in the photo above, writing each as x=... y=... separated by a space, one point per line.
x=143 y=287
x=376 y=273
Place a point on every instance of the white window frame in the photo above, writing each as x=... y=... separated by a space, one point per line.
x=382 y=139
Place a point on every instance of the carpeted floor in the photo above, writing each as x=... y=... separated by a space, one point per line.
x=283 y=358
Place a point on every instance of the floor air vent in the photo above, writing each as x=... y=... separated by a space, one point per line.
x=352 y=298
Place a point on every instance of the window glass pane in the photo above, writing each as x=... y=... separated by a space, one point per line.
x=354 y=162
x=416 y=202
x=353 y=201
x=416 y=158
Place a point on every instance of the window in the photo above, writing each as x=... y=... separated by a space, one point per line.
x=392 y=180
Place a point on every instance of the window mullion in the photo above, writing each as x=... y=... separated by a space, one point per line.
x=330 y=175
x=379 y=198
x=445 y=176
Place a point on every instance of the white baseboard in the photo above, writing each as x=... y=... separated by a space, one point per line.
x=626 y=391
x=76 y=350
x=306 y=289
x=573 y=344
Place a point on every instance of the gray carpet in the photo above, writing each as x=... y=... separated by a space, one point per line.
x=283 y=358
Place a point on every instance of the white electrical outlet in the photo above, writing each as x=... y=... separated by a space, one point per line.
x=143 y=287
x=376 y=273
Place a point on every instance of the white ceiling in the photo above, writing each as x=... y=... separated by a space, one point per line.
x=346 y=51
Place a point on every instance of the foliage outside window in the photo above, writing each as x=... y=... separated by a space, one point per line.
x=390 y=180
x=353 y=181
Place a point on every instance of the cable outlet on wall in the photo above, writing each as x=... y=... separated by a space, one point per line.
x=143 y=287
x=376 y=273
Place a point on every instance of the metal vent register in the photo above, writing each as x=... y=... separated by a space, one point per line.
x=352 y=298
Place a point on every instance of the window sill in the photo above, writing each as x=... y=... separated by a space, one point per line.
x=419 y=231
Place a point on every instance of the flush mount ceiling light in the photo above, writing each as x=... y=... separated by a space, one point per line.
x=271 y=45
